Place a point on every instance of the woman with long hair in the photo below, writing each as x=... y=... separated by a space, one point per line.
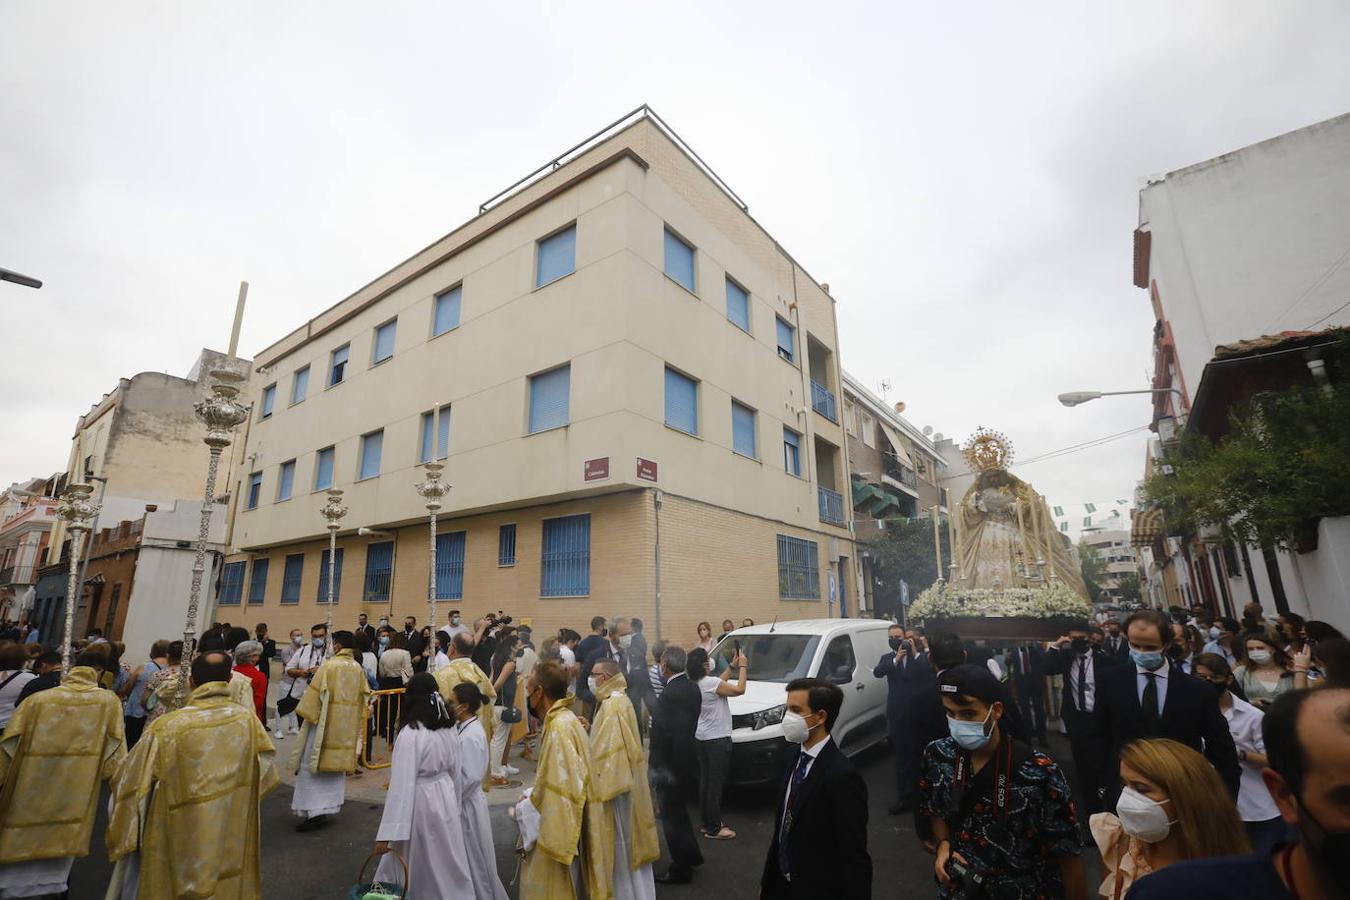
x=1268 y=672
x=473 y=809
x=705 y=638
x=503 y=675
x=421 y=820
x=1173 y=807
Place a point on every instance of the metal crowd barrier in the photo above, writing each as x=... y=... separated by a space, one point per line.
x=381 y=727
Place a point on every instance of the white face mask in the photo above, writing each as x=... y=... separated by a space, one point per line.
x=592 y=684
x=795 y=728
x=626 y=641
x=1141 y=817
x=297 y=640
x=1260 y=657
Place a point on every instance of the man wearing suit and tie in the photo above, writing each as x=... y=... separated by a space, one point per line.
x=909 y=683
x=1026 y=665
x=1151 y=698
x=1072 y=656
x=1115 y=645
x=819 y=846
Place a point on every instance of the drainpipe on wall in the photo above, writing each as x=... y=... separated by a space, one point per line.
x=657 y=499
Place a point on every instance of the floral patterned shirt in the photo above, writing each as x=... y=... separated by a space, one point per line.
x=1016 y=850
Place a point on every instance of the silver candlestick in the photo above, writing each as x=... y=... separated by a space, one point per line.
x=75 y=509
x=333 y=511
x=433 y=490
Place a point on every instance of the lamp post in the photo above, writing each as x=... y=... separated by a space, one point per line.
x=937 y=542
x=220 y=412
x=1077 y=398
x=432 y=490
x=75 y=509
x=333 y=511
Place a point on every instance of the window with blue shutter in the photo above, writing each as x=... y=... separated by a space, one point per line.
x=443 y=433
x=792 y=452
x=254 y=489
x=798 y=569
x=300 y=385
x=372 y=445
x=428 y=435
x=384 y=341
x=450 y=566
x=286 y=480
x=557 y=256
x=323 y=469
x=681 y=402
x=506 y=545
x=565 y=562
x=269 y=399
x=787 y=343
x=290 y=578
x=447 y=311
x=548 y=399
x=231 y=584
x=257 y=581
x=679 y=261
x=435 y=435
x=337 y=368
x=337 y=577
x=738 y=306
x=743 y=430
x=379 y=572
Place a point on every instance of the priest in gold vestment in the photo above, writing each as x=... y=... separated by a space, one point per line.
x=550 y=814
x=184 y=819
x=463 y=669
x=333 y=711
x=621 y=842
x=56 y=749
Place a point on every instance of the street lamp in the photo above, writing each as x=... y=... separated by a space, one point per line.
x=220 y=412
x=432 y=490
x=333 y=511
x=1076 y=398
x=25 y=280
x=76 y=509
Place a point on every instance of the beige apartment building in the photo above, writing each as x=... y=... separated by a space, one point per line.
x=631 y=386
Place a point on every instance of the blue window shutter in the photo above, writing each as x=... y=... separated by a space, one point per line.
x=290 y=578
x=337 y=577
x=549 y=399
x=379 y=572
x=300 y=385
x=286 y=481
x=679 y=261
x=792 y=453
x=384 y=340
x=681 y=402
x=738 y=306
x=371 y=447
x=443 y=433
x=269 y=399
x=450 y=566
x=447 y=311
x=337 y=370
x=743 y=430
x=565 y=563
x=254 y=489
x=231 y=584
x=257 y=582
x=557 y=256
x=323 y=469
x=428 y=429
x=786 y=341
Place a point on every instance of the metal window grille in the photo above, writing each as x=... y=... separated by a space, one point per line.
x=450 y=565
x=822 y=401
x=323 y=577
x=506 y=545
x=565 y=569
x=231 y=584
x=290 y=578
x=379 y=572
x=257 y=582
x=798 y=569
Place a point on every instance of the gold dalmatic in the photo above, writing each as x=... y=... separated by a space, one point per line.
x=618 y=766
x=241 y=691
x=559 y=794
x=56 y=749
x=335 y=705
x=461 y=670
x=187 y=799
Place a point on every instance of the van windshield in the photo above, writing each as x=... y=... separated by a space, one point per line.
x=772 y=657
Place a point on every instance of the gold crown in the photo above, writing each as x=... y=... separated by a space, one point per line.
x=988 y=449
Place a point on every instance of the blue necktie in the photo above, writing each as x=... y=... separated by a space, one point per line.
x=798 y=775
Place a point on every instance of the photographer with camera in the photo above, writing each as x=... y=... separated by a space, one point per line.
x=1001 y=812
x=487 y=634
x=909 y=681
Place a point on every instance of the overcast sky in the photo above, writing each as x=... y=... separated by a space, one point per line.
x=965 y=176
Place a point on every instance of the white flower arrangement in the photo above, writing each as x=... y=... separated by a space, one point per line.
x=1053 y=602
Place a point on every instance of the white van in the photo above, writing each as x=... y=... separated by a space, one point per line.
x=843 y=651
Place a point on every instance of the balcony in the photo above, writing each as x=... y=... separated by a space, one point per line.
x=831 y=506
x=822 y=401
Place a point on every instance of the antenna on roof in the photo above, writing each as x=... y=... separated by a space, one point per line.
x=884 y=385
x=773 y=624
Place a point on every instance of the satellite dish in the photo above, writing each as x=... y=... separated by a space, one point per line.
x=937 y=438
x=899 y=406
x=927 y=430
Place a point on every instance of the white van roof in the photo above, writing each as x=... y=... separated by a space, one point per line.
x=815 y=626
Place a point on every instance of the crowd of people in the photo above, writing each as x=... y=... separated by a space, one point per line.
x=1209 y=756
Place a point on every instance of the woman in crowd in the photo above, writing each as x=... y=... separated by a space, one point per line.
x=473 y=808
x=1268 y=672
x=1290 y=629
x=705 y=638
x=134 y=713
x=394 y=670
x=365 y=655
x=247 y=654
x=161 y=691
x=286 y=686
x=713 y=735
x=421 y=820
x=14 y=675
x=441 y=658
x=1173 y=807
x=1260 y=815
x=503 y=675
x=1195 y=640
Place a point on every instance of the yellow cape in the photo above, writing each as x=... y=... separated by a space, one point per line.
x=559 y=793
x=335 y=705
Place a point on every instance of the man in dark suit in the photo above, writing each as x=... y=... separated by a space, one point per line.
x=1150 y=698
x=674 y=765
x=909 y=678
x=1072 y=656
x=587 y=652
x=363 y=626
x=819 y=846
x=1026 y=667
x=415 y=645
x=1115 y=645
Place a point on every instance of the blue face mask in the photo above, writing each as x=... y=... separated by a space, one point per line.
x=1151 y=660
x=384 y=640
x=969 y=735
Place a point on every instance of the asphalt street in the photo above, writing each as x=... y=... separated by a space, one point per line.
x=324 y=864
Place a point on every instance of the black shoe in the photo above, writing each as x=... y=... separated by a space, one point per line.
x=313 y=824
x=674 y=876
x=900 y=808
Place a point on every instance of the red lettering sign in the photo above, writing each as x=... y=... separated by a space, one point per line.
x=597 y=469
x=646 y=469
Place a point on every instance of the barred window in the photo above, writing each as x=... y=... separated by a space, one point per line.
x=798 y=569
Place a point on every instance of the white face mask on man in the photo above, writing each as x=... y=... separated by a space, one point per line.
x=592 y=684
x=1141 y=817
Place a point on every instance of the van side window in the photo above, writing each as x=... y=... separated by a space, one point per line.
x=839 y=661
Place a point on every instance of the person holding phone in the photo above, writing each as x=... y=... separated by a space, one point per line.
x=908 y=676
x=713 y=735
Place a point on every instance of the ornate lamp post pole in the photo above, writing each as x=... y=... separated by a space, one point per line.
x=220 y=412
x=432 y=490
x=76 y=509
x=333 y=512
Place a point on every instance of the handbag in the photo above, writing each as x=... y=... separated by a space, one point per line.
x=510 y=714
x=375 y=890
x=286 y=705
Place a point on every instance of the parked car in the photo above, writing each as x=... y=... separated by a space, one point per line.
x=839 y=650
